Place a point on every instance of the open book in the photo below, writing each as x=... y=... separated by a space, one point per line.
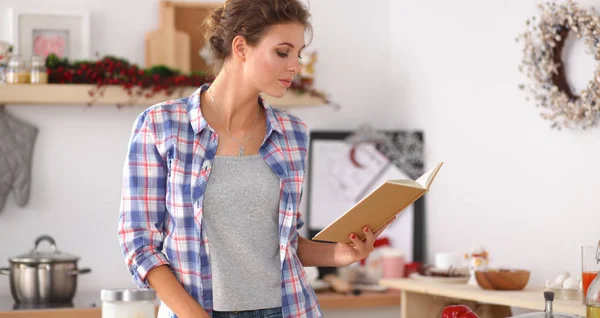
x=378 y=207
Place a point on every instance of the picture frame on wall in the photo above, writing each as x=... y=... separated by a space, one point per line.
x=340 y=174
x=39 y=33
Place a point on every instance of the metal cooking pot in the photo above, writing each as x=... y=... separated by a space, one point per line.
x=41 y=277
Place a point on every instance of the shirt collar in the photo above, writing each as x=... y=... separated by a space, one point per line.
x=199 y=123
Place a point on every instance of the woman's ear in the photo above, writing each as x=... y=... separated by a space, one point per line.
x=239 y=47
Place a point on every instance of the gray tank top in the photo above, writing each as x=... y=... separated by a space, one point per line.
x=241 y=218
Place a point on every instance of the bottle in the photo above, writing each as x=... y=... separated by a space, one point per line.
x=592 y=299
x=38 y=71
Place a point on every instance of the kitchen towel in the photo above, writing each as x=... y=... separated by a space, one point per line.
x=17 y=140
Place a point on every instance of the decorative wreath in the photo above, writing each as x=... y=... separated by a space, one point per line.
x=543 y=65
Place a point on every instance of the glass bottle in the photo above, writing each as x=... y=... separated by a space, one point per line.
x=38 y=70
x=17 y=71
x=592 y=299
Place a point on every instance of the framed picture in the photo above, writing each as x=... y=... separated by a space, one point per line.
x=341 y=173
x=67 y=34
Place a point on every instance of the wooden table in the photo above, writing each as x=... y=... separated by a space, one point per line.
x=427 y=299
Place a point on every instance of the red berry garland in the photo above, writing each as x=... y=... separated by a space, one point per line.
x=135 y=81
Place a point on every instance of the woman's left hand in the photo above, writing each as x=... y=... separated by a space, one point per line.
x=346 y=254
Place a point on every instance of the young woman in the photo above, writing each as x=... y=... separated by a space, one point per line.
x=213 y=183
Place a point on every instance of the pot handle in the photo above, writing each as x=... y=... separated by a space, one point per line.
x=4 y=271
x=80 y=271
x=45 y=238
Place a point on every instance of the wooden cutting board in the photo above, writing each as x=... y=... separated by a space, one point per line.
x=167 y=45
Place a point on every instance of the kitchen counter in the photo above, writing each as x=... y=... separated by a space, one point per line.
x=84 y=305
x=82 y=300
x=88 y=305
x=427 y=299
x=331 y=300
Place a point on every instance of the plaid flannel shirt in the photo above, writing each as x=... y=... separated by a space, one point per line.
x=165 y=175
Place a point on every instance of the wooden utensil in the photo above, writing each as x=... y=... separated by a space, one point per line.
x=167 y=45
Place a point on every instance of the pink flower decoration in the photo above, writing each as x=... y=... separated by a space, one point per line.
x=44 y=45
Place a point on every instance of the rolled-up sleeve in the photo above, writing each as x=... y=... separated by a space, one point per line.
x=306 y=142
x=143 y=209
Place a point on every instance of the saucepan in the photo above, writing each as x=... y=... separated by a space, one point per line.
x=43 y=277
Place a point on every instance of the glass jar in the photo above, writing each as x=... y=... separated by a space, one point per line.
x=592 y=298
x=138 y=303
x=38 y=71
x=2 y=72
x=17 y=71
x=5 y=54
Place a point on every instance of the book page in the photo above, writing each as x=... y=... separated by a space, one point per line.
x=427 y=178
x=407 y=182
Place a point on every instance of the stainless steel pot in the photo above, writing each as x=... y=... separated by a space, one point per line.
x=548 y=313
x=39 y=277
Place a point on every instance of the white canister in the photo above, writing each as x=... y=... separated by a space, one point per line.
x=392 y=262
x=130 y=303
x=446 y=261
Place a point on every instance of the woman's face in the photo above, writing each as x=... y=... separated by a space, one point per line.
x=271 y=65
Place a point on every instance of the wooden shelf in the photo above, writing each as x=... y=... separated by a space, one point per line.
x=78 y=94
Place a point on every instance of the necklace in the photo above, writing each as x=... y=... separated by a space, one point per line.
x=240 y=147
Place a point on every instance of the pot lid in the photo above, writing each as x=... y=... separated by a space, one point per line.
x=148 y=294
x=543 y=315
x=37 y=256
x=549 y=298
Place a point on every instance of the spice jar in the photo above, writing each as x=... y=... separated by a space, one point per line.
x=17 y=71
x=138 y=303
x=38 y=71
x=5 y=54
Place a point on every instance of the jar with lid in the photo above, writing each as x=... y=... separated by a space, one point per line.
x=138 y=303
x=38 y=70
x=17 y=71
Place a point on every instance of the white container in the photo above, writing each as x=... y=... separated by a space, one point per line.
x=128 y=303
x=392 y=262
x=448 y=260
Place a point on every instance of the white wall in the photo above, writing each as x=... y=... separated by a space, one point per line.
x=510 y=183
x=80 y=151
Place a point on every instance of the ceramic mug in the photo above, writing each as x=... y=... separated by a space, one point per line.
x=448 y=260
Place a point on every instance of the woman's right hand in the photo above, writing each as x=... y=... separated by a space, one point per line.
x=198 y=312
x=172 y=293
